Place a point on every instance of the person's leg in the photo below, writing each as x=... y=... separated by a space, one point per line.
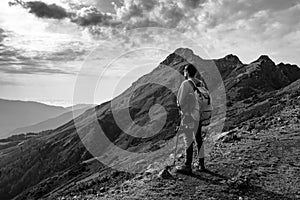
x=188 y=141
x=200 y=147
x=189 y=154
x=201 y=158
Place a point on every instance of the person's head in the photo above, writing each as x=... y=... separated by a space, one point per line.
x=189 y=71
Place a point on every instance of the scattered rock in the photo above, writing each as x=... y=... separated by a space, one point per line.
x=102 y=190
x=180 y=156
x=139 y=177
x=229 y=136
x=150 y=171
x=140 y=165
x=241 y=181
x=165 y=174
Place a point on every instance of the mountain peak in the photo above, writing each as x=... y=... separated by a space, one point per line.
x=264 y=58
x=186 y=53
x=184 y=50
x=232 y=58
x=182 y=55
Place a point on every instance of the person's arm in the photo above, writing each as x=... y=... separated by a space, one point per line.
x=182 y=92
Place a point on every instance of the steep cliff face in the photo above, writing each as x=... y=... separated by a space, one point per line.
x=227 y=64
x=61 y=153
x=292 y=72
x=258 y=77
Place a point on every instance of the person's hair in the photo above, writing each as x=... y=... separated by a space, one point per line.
x=191 y=69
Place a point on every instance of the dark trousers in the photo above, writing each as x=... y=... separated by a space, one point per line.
x=189 y=149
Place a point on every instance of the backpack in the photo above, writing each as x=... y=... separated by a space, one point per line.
x=202 y=108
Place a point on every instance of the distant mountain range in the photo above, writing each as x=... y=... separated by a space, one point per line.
x=28 y=116
x=54 y=162
x=54 y=122
x=15 y=114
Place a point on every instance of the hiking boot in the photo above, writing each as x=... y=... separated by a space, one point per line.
x=200 y=167
x=184 y=169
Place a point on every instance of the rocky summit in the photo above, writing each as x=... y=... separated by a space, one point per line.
x=255 y=156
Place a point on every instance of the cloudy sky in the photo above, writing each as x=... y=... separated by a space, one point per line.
x=45 y=44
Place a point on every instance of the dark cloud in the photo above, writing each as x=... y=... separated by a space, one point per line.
x=131 y=13
x=106 y=6
x=193 y=3
x=132 y=10
x=42 y=10
x=162 y=13
x=83 y=15
x=260 y=17
x=87 y=16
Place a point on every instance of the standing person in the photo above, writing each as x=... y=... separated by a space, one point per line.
x=190 y=127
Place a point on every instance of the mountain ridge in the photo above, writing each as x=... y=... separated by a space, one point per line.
x=70 y=162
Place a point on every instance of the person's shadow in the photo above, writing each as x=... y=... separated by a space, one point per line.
x=202 y=175
x=207 y=171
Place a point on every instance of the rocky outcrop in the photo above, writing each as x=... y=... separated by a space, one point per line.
x=292 y=72
x=258 y=77
x=227 y=64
